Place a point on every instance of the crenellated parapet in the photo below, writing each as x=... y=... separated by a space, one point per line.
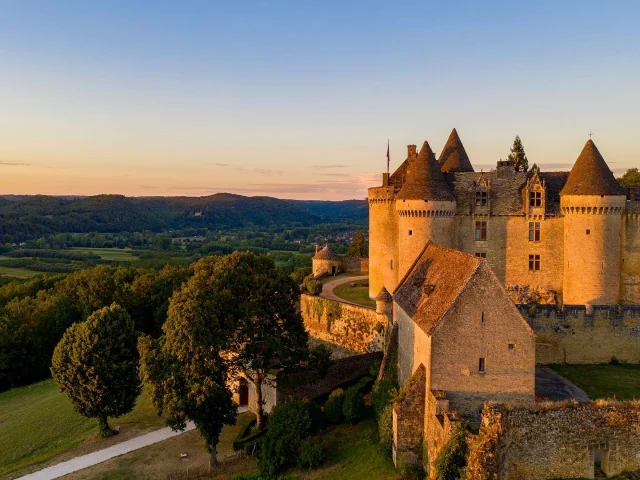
x=427 y=213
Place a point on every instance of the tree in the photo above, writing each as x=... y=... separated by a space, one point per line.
x=631 y=178
x=358 y=246
x=518 y=156
x=96 y=364
x=185 y=369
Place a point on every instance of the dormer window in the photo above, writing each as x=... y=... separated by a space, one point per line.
x=535 y=199
x=481 y=199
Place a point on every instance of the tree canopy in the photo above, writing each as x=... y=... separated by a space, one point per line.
x=631 y=178
x=358 y=246
x=518 y=156
x=96 y=365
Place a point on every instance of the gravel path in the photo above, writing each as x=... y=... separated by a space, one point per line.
x=327 y=289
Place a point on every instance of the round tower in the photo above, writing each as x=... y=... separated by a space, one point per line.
x=426 y=209
x=592 y=203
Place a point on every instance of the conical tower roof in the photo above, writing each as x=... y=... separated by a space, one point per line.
x=424 y=179
x=590 y=175
x=453 y=157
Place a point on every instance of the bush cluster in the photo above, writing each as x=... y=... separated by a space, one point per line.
x=333 y=407
x=311 y=453
x=353 y=404
x=452 y=459
x=313 y=286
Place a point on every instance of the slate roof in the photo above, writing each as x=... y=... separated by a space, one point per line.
x=396 y=177
x=453 y=157
x=384 y=295
x=326 y=254
x=433 y=283
x=424 y=180
x=590 y=175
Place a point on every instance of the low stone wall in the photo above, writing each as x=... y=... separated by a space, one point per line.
x=352 y=326
x=360 y=265
x=556 y=441
x=575 y=335
x=408 y=416
x=306 y=385
x=439 y=426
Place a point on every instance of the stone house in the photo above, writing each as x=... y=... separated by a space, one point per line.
x=325 y=262
x=461 y=342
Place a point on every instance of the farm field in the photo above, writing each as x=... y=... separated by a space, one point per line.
x=118 y=254
x=38 y=422
x=18 y=272
x=621 y=381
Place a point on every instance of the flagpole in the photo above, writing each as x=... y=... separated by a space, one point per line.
x=388 y=156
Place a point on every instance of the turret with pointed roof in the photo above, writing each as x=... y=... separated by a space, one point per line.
x=590 y=175
x=453 y=157
x=424 y=179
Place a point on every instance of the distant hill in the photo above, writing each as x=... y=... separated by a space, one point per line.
x=34 y=216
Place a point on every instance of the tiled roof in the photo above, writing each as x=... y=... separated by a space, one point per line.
x=590 y=175
x=326 y=254
x=453 y=157
x=424 y=180
x=433 y=283
x=384 y=295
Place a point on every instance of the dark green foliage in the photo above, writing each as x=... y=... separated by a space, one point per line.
x=518 y=156
x=247 y=435
x=333 y=407
x=299 y=274
x=311 y=453
x=289 y=425
x=358 y=247
x=318 y=421
x=631 y=178
x=314 y=287
x=375 y=368
x=353 y=404
x=452 y=460
x=96 y=364
x=385 y=428
x=414 y=471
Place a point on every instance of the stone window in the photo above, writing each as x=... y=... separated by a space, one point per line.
x=535 y=199
x=391 y=264
x=482 y=319
x=588 y=232
x=481 y=199
x=481 y=365
x=481 y=230
x=534 y=262
x=410 y=232
x=512 y=346
x=534 y=231
x=481 y=254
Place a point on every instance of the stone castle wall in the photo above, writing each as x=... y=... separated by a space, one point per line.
x=556 y=441
x=576 y=335
x=351 y=326
x=355 y=265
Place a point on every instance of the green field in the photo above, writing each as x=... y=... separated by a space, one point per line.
x=356 y=294
x=38 y=422
x=18 y=272
x=117 y=254
x=604 y=380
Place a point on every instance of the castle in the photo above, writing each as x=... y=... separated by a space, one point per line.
x=565 y=238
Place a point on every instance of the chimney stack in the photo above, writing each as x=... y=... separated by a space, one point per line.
x=411 y=153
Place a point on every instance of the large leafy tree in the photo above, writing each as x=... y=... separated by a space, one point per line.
x=631 y=178
x=358 y=246
x=96 y=364
x=518 y=156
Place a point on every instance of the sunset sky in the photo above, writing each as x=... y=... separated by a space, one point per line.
x=297 y=99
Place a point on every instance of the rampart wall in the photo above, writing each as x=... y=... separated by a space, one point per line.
x=351 y=326
x=578 y=335
x=356 y=265
x=556 y=441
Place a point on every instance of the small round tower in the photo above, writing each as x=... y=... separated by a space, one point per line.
x=426 y=209
x=593 y=204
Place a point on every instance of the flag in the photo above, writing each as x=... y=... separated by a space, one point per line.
x=388 y=156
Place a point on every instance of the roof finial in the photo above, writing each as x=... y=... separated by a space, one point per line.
x=590 y=133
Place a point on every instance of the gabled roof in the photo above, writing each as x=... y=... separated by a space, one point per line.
x=453 y=157
x=326 y=254
x=590 y=175
x=424 y=180
x=433 y=283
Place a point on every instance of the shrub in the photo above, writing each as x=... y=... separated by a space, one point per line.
x=353 y=405
x=311 y=453
x=314 y=287
x=299 y=274
x=385 y=428
x=452 y=460
x=289 y=424
x=413 y=471
x=375 y=368
x=383 y=393
x=333 y=407
x=318 y=420
x=614 y=361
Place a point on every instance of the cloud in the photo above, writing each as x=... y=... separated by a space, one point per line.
x=332 y=165
x=268 y=172
x=224 y=165
x=14 y=164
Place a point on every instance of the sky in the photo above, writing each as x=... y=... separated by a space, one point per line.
x=297 y=99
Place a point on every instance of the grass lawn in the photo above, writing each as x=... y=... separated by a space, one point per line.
x=119 y=254
x=38 y=422
x=604 y=380
x=162 y=458
x=358 y=294
x=18 y=272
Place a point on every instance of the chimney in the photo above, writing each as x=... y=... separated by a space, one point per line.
x=506 y=169
x=411 y=153
x=385 y=179
x=317 y=248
